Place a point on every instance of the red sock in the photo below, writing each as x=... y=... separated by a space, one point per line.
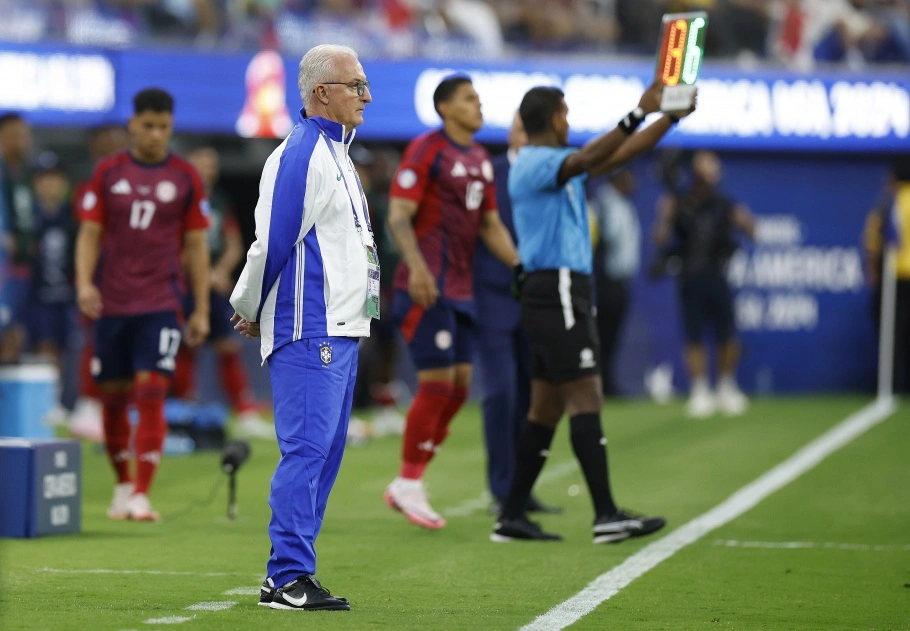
x=87 y=386
x=459 y=396
x=184 y=382
x=117 y=433
x=234 y=381
x=426 y=410
x=150 y=390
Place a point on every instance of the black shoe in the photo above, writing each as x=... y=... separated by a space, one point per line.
x=624 y=524
x=520 y=529
x=266 y=592
x=308 y=594
x=534 y=505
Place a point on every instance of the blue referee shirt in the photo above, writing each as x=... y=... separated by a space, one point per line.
x=551 y=221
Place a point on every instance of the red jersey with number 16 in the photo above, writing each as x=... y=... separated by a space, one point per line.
x=144 y=209
x=453 y=186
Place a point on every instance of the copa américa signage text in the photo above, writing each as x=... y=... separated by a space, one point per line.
x=761 y=110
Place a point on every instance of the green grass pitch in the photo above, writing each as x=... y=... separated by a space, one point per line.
x=852 y=512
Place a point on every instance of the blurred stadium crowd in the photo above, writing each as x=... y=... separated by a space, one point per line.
x=796 y=33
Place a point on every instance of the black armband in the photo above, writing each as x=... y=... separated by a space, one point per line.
x=632 y=121
x=673 y=118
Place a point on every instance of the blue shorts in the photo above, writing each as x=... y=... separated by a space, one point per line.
x=220 y=312
x=125 y=345
x=438 y=337
x=50 y=323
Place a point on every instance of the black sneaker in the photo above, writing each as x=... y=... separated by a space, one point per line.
x=520 y=529
x=266 y=592
x=305 y=593
x=624 y=524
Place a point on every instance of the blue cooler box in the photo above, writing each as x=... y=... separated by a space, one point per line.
x=40 y=487
x=27 y=394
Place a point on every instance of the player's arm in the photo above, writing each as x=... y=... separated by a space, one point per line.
x=421 y=282
x=743 y=220
x=666 y=213
x=88 y=250
x=496 y=237
x=196 y=253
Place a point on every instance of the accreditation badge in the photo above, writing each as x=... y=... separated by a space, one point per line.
x=372 y=282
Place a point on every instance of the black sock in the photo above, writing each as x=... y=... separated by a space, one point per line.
x=533 y=449
x=590 y=448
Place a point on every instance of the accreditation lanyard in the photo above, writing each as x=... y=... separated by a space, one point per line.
x=369 y=244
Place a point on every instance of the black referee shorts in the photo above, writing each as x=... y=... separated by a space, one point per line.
x=556 y=315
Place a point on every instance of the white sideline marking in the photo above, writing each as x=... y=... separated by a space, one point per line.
x=168 y=620
x=482 y=501
x=610 y=583
x=153 y=572
x=809 y=545
x=242 y=591
x=212 y=606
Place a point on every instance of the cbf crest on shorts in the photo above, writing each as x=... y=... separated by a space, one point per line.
x=325 y=353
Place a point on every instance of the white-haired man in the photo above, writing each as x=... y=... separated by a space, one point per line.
x=313 y=233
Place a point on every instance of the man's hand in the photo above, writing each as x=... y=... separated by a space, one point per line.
x=221 y=282
x=650 y=100
x=89 y=299
x=246 y=328
x=197 y=328
x=422 y=287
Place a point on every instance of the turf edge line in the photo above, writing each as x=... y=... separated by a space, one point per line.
x=610 y=583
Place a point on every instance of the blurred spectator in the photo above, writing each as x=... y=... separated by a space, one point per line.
x=890 y=222
x=52 y=297
x=795 y=31
x=18 y=230
x=617 y=259
x=699 y=226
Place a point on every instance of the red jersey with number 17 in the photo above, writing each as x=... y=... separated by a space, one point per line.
x=145 y=209
x=453 y=186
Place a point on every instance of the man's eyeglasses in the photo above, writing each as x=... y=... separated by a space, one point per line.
x=360 y=86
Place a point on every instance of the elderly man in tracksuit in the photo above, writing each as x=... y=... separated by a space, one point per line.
x=309 y=289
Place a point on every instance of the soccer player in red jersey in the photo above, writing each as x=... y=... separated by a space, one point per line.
x=142 y=208
x=442 y=199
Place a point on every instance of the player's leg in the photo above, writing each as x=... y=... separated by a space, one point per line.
x=157 y=340
x=692 y=297
x=112 y=369
x=465 y=335
x=309 y=395
x=183 y=383
x=85 y=421
x=430 y=338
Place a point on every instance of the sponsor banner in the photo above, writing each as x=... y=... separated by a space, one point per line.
x=257 y=95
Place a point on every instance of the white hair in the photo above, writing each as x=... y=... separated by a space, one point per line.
x=317 y=66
